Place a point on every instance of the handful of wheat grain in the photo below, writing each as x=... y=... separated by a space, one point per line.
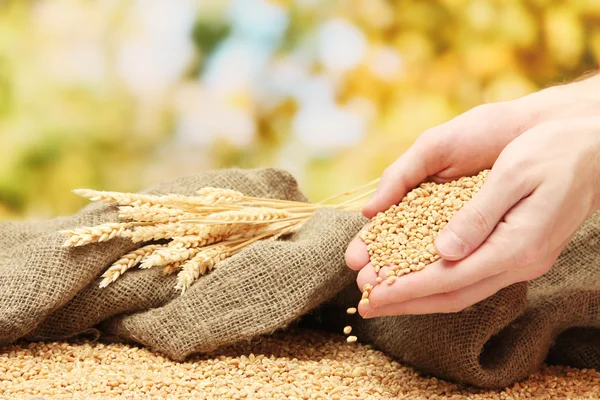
x=190 y=235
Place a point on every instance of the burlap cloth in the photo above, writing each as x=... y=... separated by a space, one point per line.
x=51 y=292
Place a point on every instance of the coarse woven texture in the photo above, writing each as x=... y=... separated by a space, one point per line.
x=48 y=291
x=507 y=336
x=301 y=364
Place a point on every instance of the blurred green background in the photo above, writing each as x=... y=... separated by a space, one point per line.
x=119 y=94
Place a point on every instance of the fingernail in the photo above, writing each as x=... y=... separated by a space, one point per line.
x=369 y=314
x=448 y=244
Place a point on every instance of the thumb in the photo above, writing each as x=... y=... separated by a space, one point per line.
x=476 y=220
x=422 y=159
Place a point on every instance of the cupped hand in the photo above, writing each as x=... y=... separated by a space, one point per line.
x=544 y=151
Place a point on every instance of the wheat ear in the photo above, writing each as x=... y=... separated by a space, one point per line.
x=126 y=262
x=100 y=233
x=200 y=264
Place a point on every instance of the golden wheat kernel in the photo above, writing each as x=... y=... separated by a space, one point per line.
x=431 y=249
x=347 y=330
x=364 y=302
x=391 y=280
x=351 y=310
x=351 y=339
x=389 y=273
x=379 y=279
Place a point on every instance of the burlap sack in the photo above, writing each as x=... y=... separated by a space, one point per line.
x=506 y=337
x=49 y=292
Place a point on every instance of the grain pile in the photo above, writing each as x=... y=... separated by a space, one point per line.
x=294 y=365
x=402 y=238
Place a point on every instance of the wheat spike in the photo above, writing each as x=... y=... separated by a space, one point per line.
x=200 y=264
x=202 y=229
x=126 y=199
x=172 y=268
x=169 y=255
x=126 y=262
x=100 y=233
x=212 y=196
x=135 y=199
x=156 y=213
x=247 y=214
x=164 y=231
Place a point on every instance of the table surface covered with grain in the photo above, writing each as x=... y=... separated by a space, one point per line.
x=296 y=365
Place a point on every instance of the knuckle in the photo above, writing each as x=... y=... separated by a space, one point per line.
x=525 y=252
x=488 y=111
x=530 y=255
x=483 y=109
x=477 y=218
x=536 y=272
x=529 y=241
x=387 y=173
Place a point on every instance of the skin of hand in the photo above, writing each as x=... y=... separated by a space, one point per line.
x=544 y=154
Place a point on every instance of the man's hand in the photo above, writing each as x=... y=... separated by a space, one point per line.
x=544 y=151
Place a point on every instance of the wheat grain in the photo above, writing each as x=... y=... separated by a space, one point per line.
x=298 y=364
x=172 y=268
x=402 y=237
x=126 y=262
x=100 y=233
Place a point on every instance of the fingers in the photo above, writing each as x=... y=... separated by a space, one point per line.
x=476 y=220
x=420 y=160
x=441 y=302
x=460 y=299
x=357 y=255
x=366 y=275
x=503 y=250
x=519 y=242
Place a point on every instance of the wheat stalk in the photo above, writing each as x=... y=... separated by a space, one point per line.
x=200 y=230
